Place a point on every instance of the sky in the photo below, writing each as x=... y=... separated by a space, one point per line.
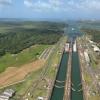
x=50 y=9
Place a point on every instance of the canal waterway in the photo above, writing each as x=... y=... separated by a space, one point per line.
x=73 y=31
x=59 y=86
x=76 y=90
x=76 y=83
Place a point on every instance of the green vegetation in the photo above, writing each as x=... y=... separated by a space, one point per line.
x=16 y=37
x=49 y=70
x=87 y=78
x=94 y=97
x=94 y=33
x=52 y=66
x=23 y=42
x=94 y=62
x=22 y=87
x=21 y=35
x=26 y=56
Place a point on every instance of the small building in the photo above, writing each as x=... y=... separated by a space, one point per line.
x=40 y=98
x=96 y=49
x=9 y=92
x=4 y=97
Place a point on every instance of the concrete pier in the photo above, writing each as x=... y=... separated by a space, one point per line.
x=82 y=77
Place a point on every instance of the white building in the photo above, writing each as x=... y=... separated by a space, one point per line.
x=7 y=94
x=4 y=97
x=40 y=98
x=86 y=57
x=95 y=48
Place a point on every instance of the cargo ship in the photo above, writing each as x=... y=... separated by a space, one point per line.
x=74 y=47
x=67 y=47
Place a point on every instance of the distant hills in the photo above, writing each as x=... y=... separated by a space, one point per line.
x=30 y=19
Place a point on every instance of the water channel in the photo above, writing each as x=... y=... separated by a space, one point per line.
x=76 y=90
x=76 y=84
x=58 y=90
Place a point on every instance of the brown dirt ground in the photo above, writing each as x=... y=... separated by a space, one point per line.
x=15 y=74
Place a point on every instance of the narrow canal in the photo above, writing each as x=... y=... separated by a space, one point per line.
x=59 y=86
x=76 y=90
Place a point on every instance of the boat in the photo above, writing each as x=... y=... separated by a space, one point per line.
x=74 y=47
x=67 y=47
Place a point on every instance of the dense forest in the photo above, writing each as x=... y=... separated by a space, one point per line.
x=25 y=34
x=94 y=33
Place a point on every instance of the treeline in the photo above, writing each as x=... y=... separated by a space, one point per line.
x=94 y=33
x=36 y=24
x=22 y=38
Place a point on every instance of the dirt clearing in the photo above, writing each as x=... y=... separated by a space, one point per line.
x=15 y=74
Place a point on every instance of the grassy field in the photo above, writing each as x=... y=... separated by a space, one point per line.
x=24 y=86
x=94 y=98
x=26 y=56
x=31 y=54
x=51 y=66
x=87 y=78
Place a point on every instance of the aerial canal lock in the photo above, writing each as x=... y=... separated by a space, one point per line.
x=68 y=84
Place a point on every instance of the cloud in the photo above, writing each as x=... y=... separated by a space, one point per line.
x=84 y=5
x=5 y=2
x=28 y=3
x=64 y=5
x=50 y=5
x=92 y=5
